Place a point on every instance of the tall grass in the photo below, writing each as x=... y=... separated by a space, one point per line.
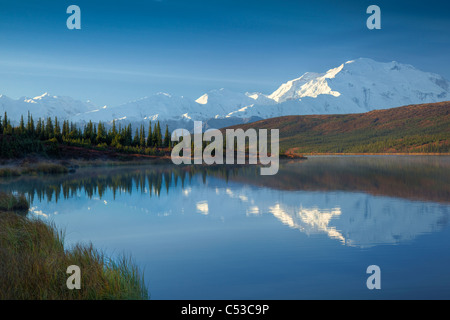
x=10 y=202
x=33 y=264
x=34 y=169
x=45 y=168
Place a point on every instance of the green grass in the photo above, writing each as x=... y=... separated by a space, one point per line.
x=34 y=261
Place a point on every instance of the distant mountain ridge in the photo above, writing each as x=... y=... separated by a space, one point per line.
x=44 y=106
x=356 y=86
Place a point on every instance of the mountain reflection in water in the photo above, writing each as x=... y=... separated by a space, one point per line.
x=358 y=201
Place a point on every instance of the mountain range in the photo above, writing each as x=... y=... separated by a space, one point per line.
x=356 y=86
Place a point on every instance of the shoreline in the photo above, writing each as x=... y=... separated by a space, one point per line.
x=379 y=154
x=35 y=165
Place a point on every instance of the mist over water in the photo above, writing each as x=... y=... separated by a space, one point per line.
x=227 y=232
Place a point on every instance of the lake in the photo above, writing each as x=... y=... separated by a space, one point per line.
x=310 y=232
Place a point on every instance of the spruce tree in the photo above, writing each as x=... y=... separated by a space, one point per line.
x=101 y=133
x=136 y=138
x=21 y=125
x=49 y=130
x=158 y=135
x=142 y=136
x=5 y=121
x=39 y=129
x=150 y=136
x=154 y=139
x=128 y=135
x=30 y=126
x=167 y=137
x=57 y=130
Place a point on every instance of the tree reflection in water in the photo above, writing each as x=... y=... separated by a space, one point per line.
x=416 y=178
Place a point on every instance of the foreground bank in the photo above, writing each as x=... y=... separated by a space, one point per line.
x=34 y=262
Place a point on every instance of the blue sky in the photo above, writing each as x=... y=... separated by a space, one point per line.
x=131 y=49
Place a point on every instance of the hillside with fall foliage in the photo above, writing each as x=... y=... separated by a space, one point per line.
x=423 y=128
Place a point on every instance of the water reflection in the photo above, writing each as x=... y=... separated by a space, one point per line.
x=357 y=201
x=95 y=182
x=310 y=221
x=424 y=178
x=363 y=220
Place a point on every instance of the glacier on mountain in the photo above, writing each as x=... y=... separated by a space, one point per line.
x=356 y=86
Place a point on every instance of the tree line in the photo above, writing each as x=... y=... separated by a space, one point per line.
x=45 y=134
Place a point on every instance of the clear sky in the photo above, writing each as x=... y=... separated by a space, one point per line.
x=128 y=49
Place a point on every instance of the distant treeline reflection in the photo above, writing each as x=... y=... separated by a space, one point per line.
x=416 y=178
x=95 y=182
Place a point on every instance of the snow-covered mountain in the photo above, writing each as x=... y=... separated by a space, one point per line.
x=221 y=103
x=44 y=106
x=356 y=86
x=216 y=104
x=161 y=106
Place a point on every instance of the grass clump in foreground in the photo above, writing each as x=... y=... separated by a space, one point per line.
x=33 y=265
x=12 y=203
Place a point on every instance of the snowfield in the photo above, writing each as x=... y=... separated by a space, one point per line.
x=356 y=86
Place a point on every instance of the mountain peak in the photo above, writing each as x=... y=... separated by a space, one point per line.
x=361 y=59
x=355 y=86
x=359 y=79
x=45 y=95
x=203 y=99
x=164 y=94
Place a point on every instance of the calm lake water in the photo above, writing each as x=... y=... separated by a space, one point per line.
x=310 y=232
